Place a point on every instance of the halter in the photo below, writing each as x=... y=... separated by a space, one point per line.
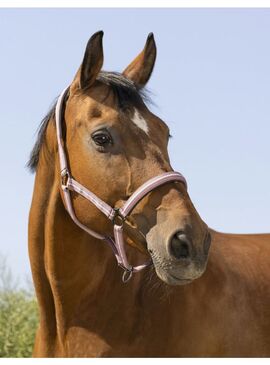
x=116 y=215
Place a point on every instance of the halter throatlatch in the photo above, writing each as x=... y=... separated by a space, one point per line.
x=116 y=215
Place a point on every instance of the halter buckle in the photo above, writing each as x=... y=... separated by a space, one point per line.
x=64 y=178
x=127 y=274
x=118 y=218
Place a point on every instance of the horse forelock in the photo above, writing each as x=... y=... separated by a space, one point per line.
x=127 y=95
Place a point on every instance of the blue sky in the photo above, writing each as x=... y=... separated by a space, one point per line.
x=211 y=85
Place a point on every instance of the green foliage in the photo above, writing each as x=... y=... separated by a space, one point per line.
x=18 y=316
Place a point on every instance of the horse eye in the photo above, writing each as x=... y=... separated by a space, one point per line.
x=102 y=138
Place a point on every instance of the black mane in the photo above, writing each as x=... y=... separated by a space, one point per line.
x=127 y=93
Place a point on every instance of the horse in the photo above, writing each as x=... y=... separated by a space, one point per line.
x=195 y=292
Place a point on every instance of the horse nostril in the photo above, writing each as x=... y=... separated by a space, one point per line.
x=180 y=246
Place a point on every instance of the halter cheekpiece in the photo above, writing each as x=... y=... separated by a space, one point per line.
x=116 y=215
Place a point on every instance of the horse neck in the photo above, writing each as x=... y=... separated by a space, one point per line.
x=70 y=268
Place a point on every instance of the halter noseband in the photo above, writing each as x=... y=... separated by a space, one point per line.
x=116 y=215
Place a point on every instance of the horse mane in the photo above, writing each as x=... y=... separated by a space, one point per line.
x=126 y=92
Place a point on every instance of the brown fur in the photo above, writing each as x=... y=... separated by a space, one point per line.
x=85 y=309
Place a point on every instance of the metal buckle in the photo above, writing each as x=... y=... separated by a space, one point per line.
x=127 y=274
x=118 y=218
x=64 y=178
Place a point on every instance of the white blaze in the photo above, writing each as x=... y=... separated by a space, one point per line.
x=140 y=121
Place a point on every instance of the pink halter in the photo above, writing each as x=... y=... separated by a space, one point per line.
x=117 y=216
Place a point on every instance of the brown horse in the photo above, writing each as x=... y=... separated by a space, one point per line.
x=113 y=145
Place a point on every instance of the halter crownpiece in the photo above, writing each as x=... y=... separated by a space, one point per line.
x=116 y=215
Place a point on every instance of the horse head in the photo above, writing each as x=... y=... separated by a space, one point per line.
x=114 y=144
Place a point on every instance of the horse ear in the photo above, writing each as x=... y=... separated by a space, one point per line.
x=140 y=69
x=92 y=61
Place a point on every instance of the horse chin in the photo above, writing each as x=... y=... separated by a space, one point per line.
x=172 y=278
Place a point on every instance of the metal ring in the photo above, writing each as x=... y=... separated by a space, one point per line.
x=118 y=219
x=64 y=179
x=127 y=274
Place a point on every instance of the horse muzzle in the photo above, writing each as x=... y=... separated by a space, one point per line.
x=182 y=259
